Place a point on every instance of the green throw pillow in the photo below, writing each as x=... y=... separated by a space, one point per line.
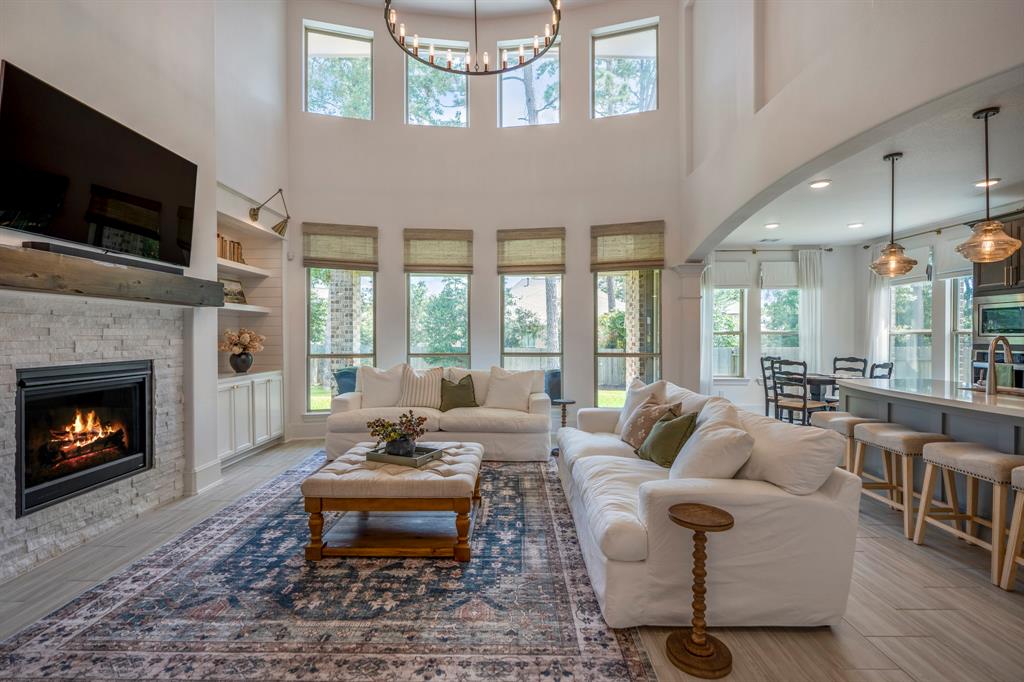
x=459 y=394
x=667 y=438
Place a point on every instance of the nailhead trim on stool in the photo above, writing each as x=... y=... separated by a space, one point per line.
x=974 y=459
x=897 y=438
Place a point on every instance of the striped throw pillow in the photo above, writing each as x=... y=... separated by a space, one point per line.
x=421 y=389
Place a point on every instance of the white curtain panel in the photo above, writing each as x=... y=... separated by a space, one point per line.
x=707 y=336
x=877 y=323
x=810 y=279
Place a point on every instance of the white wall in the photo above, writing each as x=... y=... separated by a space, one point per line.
x=148 y=65
x=783 y=84
x=578 y=173
x=838 y=319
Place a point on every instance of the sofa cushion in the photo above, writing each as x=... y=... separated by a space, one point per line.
x=481 y=380
x=380 y=388
x=608 y=489
x=636 y=395
x=718 y=447
x=643 y=419
x=574 y=445
x=458 y=394
x=421 y=388
x=509 y=390
x=493 y=420
x=355 y=421
x=689 y=401
x=797 y=459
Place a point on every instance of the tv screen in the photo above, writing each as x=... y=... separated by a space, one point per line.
x=68 y=172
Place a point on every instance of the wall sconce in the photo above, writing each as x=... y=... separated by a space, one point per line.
x=254 y=213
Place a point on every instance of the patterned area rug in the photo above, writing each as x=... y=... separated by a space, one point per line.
x=233 y=598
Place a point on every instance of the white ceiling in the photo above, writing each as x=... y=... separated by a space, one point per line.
x=464 y=8
x=943 y=158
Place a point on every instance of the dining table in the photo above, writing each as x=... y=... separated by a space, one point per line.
x=818 y=383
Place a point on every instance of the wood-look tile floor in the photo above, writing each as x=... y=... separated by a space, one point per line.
x=915 y=613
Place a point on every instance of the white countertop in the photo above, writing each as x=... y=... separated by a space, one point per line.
x=937 y=392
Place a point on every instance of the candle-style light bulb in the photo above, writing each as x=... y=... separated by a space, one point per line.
x=522 y=54
x=393 y=17
x=401 y=34
x=504 y=58
x=431 y=53
x=536 y=45
x=547 y=34
x=416 y=44
x=554 y=18
x=469 y=59
x=487 y=61
x=449 y=58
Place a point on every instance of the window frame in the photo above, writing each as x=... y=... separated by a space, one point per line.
x=561 y=325
x=930 y=331
x=409 y=355
x=659 y=324
x=529 y=46
x=310 y=357
x=954 y=327
x=438 y=45
x=348 y=32
x=601 y=34
x=741 y=334
x=762 y=332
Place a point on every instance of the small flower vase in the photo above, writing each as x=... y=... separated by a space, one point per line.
x=404 y=446
x=240 y=362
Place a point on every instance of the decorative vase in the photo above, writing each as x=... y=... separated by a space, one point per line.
x=240 y=362
x=404 y=446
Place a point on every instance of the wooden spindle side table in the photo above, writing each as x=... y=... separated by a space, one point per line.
x=564 y=404
x=692 y=649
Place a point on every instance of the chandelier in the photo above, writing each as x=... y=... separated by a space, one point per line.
x=893 y=261
x=475 y=63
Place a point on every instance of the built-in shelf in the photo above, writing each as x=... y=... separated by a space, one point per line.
x=230 y=267
x=228 y=221
x=246 y=309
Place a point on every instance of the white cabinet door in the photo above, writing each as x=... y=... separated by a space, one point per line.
x=241 y=402
x=260 y=411
x=225 y=422
x=276 y=393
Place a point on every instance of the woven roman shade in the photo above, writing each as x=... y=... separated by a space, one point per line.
x=348 y=247
x=438 y=251
x=536 y=251
x=627 y=246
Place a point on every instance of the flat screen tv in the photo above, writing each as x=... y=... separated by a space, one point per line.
x=68 y=172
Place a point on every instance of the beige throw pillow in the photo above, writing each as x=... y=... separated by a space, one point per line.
x=380 y=388
x=509 y=390
x=636 y=395
x=643 y=419
x=718 y=448
x=421 y=389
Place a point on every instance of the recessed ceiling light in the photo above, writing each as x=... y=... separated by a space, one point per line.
x=989 y=183
x=821 y=184
x=855 y=226
x=771 y=226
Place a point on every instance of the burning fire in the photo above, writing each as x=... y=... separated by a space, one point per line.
x=82 y=432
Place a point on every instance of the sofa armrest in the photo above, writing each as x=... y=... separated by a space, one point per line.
x=597 y=419
x=540 y=403
x=347 y=402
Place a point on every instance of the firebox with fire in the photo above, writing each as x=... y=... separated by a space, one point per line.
x=86 y=435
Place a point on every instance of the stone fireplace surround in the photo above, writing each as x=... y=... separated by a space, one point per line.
x=37 y=330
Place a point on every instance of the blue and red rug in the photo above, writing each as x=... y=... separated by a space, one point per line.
x=233 y=598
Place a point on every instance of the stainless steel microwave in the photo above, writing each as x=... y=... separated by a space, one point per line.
x=999 y=316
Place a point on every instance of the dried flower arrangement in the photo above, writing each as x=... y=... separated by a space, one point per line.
x=409 y=426
x=242 y=341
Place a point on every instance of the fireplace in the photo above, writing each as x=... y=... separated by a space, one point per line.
x=80 y=427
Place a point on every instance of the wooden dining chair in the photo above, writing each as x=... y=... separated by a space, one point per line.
x=769 y=384
x=845 y=367
x=880 y=370
x=792 y=393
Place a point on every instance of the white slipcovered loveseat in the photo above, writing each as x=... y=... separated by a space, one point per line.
x=505 y=434
x=787 y=561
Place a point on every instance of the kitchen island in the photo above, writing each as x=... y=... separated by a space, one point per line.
x=928 y=405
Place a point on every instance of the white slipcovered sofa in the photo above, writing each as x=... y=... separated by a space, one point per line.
x=505 y=434
x=787 y=561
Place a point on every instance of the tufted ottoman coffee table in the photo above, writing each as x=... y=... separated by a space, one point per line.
x=393 y=510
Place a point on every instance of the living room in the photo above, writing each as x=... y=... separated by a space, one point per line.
x=540 y=226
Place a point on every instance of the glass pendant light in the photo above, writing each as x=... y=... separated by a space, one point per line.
x=989 y=243
x=893 y=261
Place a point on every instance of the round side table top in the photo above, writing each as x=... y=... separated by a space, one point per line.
x=700 y=517
x=563 y=401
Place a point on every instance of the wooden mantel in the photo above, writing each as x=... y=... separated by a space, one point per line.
x=52 y=273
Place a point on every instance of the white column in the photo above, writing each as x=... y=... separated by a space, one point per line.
x=681 y=334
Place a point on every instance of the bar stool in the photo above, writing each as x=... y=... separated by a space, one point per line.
x=1016 y=539
x=978 y=463
x=842 y=423
x=899 y=441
